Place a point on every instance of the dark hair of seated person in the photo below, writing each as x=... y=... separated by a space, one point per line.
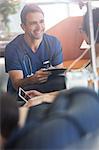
x=95 y=13
x=9 y=114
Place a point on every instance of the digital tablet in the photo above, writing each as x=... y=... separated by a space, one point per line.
x=56 y=70
x=23 y=95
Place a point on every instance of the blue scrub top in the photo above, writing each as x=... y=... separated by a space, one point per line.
x=19 y=56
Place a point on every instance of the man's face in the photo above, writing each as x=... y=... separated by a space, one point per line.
x=34 y=26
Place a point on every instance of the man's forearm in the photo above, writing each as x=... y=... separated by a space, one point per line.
x=23 y=82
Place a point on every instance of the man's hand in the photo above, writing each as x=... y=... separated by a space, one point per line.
x=18 y=80
x=40 y=76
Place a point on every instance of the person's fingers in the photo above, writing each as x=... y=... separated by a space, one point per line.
x=33 y=102
x=29 y=92
x=44 y=79
x=40 y=76
x=43 y=73
x=37 y=92
x=33 y=93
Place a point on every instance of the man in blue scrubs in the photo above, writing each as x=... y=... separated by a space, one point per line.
x=26 y=54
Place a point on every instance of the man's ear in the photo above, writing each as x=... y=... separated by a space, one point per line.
x=22 y=26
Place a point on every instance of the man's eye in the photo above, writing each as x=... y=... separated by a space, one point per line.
x=35 y=23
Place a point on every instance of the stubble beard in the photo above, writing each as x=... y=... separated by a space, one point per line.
x=32 y=37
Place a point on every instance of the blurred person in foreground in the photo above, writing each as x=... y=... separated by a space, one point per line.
x=12 y=118
x=9 y=114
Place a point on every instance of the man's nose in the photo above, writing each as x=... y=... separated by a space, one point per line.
x=38 y=26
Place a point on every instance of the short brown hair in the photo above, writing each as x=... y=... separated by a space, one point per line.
x=28 y=8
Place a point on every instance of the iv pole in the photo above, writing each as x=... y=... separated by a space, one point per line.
x=93 y=52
